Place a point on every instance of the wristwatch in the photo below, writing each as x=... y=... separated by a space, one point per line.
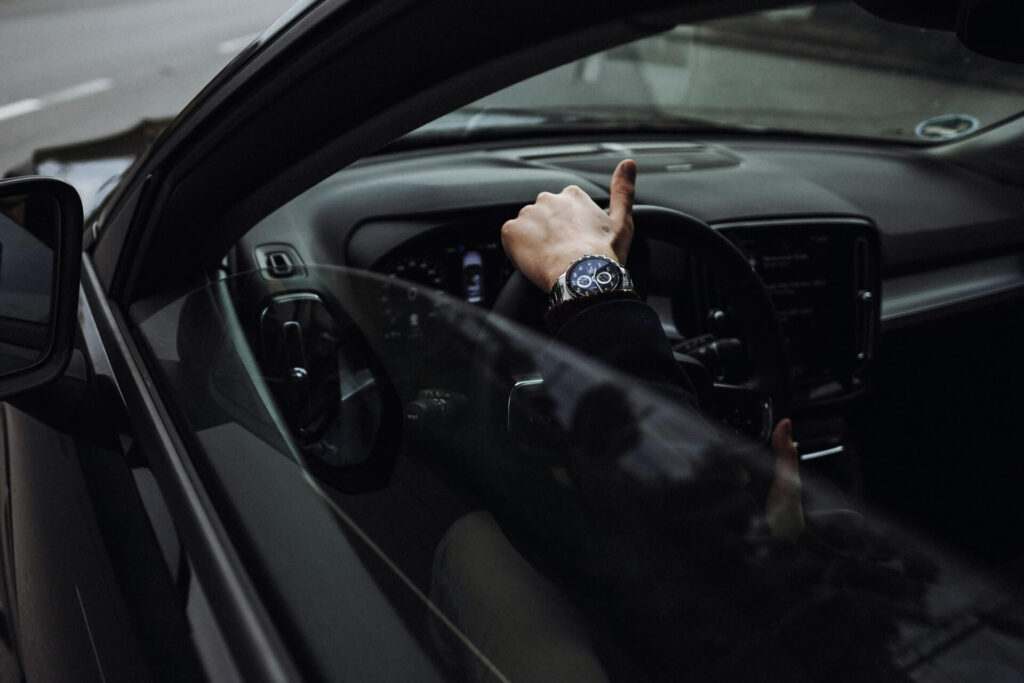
x=589 y=275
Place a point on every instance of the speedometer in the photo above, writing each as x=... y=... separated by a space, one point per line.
x=419 y=269
x=410 y=314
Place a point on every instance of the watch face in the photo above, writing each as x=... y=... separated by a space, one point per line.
x=593 y=275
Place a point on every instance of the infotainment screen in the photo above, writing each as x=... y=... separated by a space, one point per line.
x=809 y=275
x=821 y=276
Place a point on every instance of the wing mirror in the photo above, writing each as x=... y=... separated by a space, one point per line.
x=40 y=258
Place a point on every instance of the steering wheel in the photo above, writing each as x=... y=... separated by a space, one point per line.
x=750 y=407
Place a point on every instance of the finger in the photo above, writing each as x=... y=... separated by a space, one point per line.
x=622 y=190
x=787 y=462
x=782 y=437
x=784 y=506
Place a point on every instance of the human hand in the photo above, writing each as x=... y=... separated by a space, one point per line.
x=783 y=507
x=557 y=229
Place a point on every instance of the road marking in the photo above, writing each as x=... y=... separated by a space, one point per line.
x=27 y=106
x=233 y=46
x=9 y=111
x=78 y=91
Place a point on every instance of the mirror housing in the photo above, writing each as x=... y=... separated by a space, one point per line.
x=40 y=262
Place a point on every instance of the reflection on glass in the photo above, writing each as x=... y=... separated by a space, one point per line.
x=28 y=236
x=524 y=513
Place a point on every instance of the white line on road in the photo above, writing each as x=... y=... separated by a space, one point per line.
x=27 y=106
x=81 y=90
x=230 y=47
x=9 y=111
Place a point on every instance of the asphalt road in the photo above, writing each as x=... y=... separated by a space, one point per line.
x=72 y=70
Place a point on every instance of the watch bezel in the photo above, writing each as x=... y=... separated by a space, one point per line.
x=562 y=291
x=596 y=287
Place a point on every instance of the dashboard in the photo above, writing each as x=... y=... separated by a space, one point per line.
x=842 y=255
x=462 y=263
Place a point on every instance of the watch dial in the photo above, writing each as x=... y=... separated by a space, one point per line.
x=594 y=275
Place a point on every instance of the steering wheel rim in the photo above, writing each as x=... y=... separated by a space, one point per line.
x=755 y=315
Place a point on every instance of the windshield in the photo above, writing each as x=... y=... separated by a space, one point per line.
x=828 y=69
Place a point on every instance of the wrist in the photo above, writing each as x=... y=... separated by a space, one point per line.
x=588 y=275
x=559 y=264
x=557 y=316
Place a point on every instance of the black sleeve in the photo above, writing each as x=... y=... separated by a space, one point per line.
x=627 y=335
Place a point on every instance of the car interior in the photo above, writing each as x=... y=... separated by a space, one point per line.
x=370 y=305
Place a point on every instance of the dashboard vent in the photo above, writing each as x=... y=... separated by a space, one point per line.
x=861 y=264
x=866 y=303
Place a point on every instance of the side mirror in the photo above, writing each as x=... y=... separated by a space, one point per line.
x=40 y=259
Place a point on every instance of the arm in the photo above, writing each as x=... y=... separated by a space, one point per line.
x=550 y=234
x=557 y=229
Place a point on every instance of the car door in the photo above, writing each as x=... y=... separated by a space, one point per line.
x=127 y=558
x=167 y=517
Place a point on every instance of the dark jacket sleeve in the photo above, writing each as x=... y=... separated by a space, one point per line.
x=627 y=335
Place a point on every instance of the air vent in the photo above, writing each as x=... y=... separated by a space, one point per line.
x=277 y=261
x=866 y=303
x=861 y=264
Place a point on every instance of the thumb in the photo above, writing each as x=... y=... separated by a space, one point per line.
x=623 y=187
x=787 y=463
x=783 y=507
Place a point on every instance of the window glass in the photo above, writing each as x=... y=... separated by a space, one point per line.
x=520 y=512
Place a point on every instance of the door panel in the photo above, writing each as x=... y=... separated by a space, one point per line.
x=72 y=621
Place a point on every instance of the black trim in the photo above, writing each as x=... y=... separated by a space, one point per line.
x=256 y=647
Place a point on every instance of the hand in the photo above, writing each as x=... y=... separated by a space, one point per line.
x=558 y=228
x=783 y=507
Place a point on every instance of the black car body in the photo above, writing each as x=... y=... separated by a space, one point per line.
x=263 y=434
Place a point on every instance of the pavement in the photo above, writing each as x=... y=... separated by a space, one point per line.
x=78 y=69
